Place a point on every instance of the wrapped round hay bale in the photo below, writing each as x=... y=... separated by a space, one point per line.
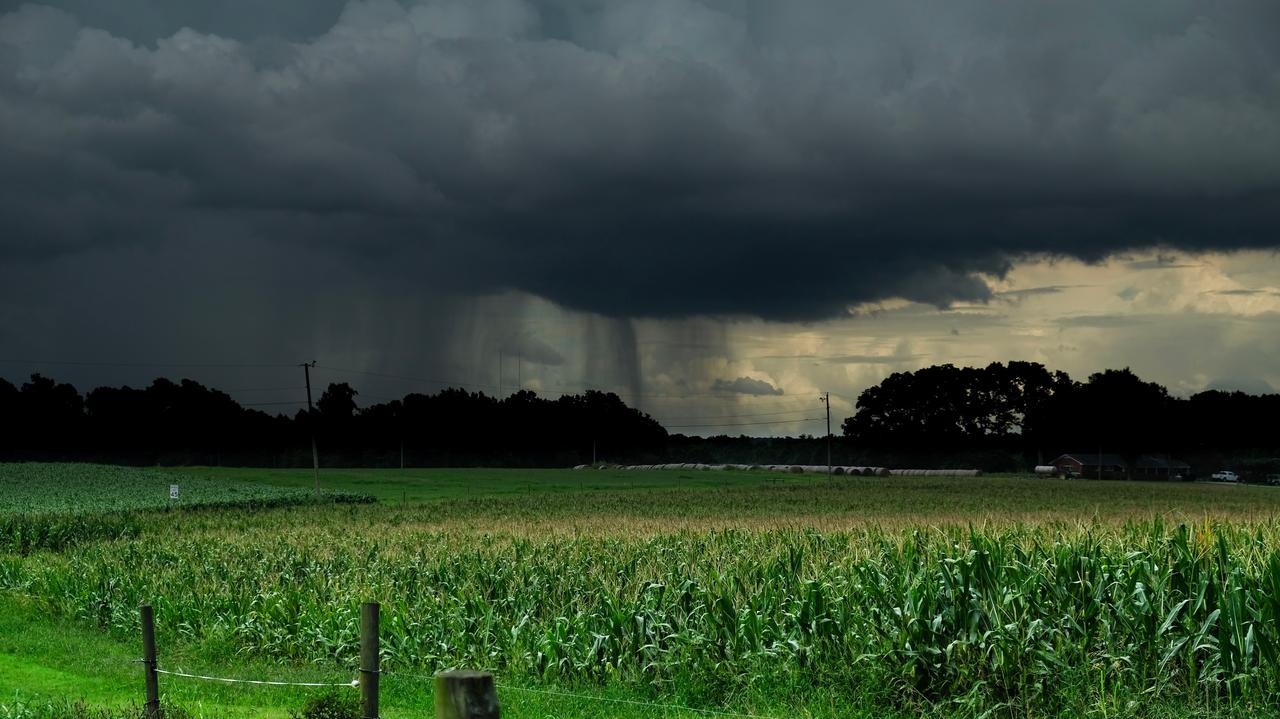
x=579 y=466
x=796 y=469
x=877 y=472
x=838 y=471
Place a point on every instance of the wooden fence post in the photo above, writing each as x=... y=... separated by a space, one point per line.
x=369 y=665
x=466 y=695
x=151 y=710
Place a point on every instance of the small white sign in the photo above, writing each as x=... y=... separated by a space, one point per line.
x=173 y=491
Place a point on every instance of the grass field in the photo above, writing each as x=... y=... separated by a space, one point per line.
x=772 y=595
x=50 y=506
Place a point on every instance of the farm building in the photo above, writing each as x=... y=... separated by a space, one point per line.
x=1092 y=465
x=1160 y=466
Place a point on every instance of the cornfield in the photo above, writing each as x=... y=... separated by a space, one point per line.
x=1017 y=617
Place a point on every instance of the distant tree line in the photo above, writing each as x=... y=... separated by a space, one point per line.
x=1023 y=407
x=188 y=423
x=998 y=417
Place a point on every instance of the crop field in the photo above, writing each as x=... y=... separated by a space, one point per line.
x=736 y=591
x=52 y=505
x=89 y=488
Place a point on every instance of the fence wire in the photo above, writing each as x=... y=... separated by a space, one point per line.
x=258 y=682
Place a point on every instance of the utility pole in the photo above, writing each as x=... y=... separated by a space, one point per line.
x=826 y=399
x=499 y=376
x=311 y=423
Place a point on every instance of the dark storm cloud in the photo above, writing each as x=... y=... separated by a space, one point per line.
x=746 y=385
x=664 y=158
x=1017 y=296
x=1160 y=262
x=1106 y=321
x=1032 y=291
x=1241 y=292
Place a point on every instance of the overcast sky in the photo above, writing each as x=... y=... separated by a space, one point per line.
x=719 y=207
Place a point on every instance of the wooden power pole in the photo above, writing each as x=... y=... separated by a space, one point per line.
x=826 y=399
x=311 y=424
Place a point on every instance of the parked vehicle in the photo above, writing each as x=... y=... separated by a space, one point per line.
x=1273 y=480
x=1226 y=475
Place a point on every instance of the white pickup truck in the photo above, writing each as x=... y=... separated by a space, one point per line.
x=1225 y=475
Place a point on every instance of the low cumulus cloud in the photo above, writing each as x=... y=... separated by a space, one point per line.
x=645 y=159
x=746 y=385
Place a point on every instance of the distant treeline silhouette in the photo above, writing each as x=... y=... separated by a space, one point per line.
x=1023 y=407
x=188 y=423
x=998 y=417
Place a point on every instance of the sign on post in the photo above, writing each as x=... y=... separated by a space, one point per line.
x=173 y=491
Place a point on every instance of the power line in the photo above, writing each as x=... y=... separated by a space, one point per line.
x=186 y=365
x=558 y=387
x=424 y=380
x=405 y=378
x=743 y=424
x=269 y=404
x=735 y=416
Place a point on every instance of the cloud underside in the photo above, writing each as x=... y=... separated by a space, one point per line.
x=658 y=159
x=746 y=385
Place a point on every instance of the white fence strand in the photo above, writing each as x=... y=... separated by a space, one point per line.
x=258 y=682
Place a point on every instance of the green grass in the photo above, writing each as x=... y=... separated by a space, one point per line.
x=51 y=506
x=35 y=488
x=772 y=595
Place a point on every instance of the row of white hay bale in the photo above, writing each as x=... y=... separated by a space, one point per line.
x=862 y=471
x=935 y=472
